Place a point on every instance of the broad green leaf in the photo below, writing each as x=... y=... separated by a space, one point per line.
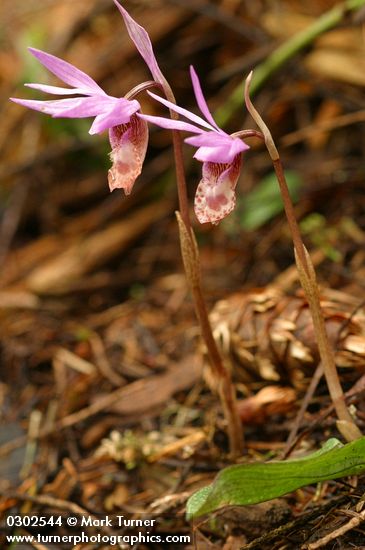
x=256 y=482
x=264 y=201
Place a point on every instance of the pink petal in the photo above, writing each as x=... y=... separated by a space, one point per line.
x=82 y=107
x=213 y=154
x=210 y=139
x=55 y=89
x=143 y=44
x=109 y=111
x=67 y=72
x=171 y=124
x=114 y=113
x=54 y=107
x=221 y=152
x=129 y=145
x=215 y=196
x=200 y=99
x=181 y=111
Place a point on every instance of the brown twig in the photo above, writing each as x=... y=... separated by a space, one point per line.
x=303 y=407
x=102 y=362
x=46 y=500
x=352 y=524
x=353 y=396
x=337 y=122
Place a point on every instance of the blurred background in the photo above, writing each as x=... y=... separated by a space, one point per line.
x=53 y=174
x=92 y=292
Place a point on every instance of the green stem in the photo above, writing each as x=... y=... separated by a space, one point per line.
x=286 y=51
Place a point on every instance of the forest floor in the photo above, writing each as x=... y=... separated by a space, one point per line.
x=108 y=404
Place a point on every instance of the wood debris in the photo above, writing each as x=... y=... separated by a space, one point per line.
x=269 y=335
x=104 y=385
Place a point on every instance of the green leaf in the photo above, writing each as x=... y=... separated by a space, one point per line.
x=244 y=484
x=322 y=235
x=264 y=202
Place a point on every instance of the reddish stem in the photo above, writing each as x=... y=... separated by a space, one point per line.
x=223 y=378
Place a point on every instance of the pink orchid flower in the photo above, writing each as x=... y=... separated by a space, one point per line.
x=142 y=41
x=128 y=134
x=219 y=152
